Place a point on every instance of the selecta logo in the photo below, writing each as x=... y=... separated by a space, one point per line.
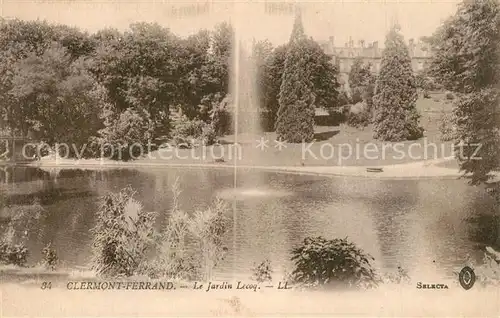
x=467 y=278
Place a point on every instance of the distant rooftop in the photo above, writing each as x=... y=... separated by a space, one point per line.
x=369 y=50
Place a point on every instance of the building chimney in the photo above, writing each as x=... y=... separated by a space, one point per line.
x=351 y=42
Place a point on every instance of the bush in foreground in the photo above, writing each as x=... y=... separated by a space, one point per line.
x=123 y=235
x=126 y=243
x=12 y=252
x=50 y=259
x=335 y=263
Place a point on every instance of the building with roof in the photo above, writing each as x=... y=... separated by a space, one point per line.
x=343 y=56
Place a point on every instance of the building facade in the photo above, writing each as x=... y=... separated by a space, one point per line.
x=343 y=56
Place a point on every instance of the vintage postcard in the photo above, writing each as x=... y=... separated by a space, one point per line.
x=249 y=158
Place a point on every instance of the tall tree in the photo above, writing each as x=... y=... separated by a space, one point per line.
x=140 y=69
x=395 y=114
x=467 y=61
x=271 y=83
x=217 y=70
x=58 y=98
x=295 y=118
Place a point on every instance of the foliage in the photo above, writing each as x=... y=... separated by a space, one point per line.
x=318 y=86
x=208 y=135
x=295 y=118
x=173 y=259
x=488 y=273
x=125 y=135
x=359 y=115
x=188 y=133
x=262 y=272
x=332 y=263
x=449 y=96
x=20 y=220
x=12 y=252
x=123 y=236
x=466 y=60
x=447 y=126
x=50 y=259
x=270 y=90
x=399 y=277
x=139 y=69
x=57 y=97
x=361 y=82
x=477 y=133
x=220 y=116
x=209 y=228
x=343 y=98
x=395 y=114
x=189 y=248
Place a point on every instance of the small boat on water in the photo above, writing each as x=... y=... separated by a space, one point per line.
x=374 y=170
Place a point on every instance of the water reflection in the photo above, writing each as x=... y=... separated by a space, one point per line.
x=413 y=224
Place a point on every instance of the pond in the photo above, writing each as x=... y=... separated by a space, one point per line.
x=420 y=225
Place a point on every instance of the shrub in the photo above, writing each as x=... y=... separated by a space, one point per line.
x=334 y=263
x=205 y=230
x=488 y=273
x=426 y=94
x=12 y=253
x=173 y=260
x=121 y=135
x=123 y=235
x=50 y=259
x=398 y=277
x=449 y=96
x=187 y=133
x=359 y=115
x=262 y=272
x=208 y=228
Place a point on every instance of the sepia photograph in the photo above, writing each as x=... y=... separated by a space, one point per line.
x=210 y=158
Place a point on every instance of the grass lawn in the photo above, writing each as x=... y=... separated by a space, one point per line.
x=334 y=146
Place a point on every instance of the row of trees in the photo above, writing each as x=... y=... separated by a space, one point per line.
x=70 y=86
x=121 y=87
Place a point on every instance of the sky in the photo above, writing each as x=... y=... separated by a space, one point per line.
x=366 y=20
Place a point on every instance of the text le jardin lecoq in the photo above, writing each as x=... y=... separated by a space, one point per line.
x=210 y=286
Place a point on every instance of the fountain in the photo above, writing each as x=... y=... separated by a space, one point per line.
x=246 y=117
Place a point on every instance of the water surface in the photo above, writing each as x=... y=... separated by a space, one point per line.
x=420 y=225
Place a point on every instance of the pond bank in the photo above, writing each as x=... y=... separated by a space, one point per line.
x=413 y=170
